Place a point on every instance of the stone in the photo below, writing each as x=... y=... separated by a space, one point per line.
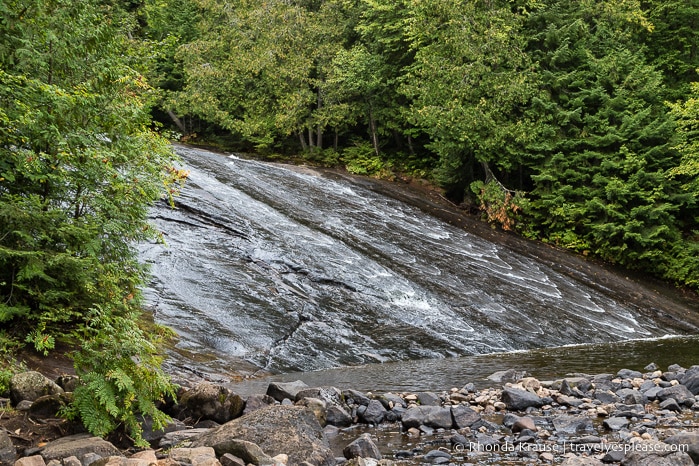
x=428 y=399
x=614 y=456
x=354 y=397
x=229 y=459
x=652 y=393
x=48 y=405
x=651 y=453
x=35 y=460
x=292 y=430
x=616 y=423
x=691 y=379
x=519 y=400
x=70 y=461
x=507 y=376
x=211 y=401
x=690 y=439
x=391 y=400
x=146 y=455
x=180 y=438
x=338 y=416
x=78 y=445
x=330 y=395
x=631 y=396
x=581 y=461
x=566 y=400
x=317 y=406
x=374 y=413
x=432 y=416
x=154 y=436
x=628 y=374
x=362 y=447
x=572 y=425
x=288 y=390
x=680 y=393
x=464 y=416
x=8 y=453
x=30 y=386
x=524 y=423
x=255 y=402
x=437 y=457
x=671 y=405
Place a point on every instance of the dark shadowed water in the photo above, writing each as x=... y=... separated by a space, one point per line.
x=279 y=270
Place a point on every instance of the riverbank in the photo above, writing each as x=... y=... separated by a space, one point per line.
x=629 y=417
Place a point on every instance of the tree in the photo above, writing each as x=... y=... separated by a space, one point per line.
x=79 y=168
x=603 y=187
x=469 y=85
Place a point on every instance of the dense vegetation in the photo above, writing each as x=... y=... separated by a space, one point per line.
x=570 y=121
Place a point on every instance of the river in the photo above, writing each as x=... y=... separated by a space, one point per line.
x=271 y=269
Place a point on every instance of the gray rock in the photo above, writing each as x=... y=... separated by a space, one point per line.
x=671 y=405
x=690 y=439
x=613 y=456
x=581 y=461
x=436 y=457
x=318 y=407
x=464 y=416
x=629 y=374
x=374 y=413
x=88 y=458
x=8 y=453
x=652 y=393
x=569 y=401
x=337 y=416
x=650 y=453
x=362 y=447
x=428 y=399
x=288 y=390
x=154 y=436
x=71 y=461
x=651 y=367
x=680 y=393
x=510 y=375
x=180 y=438
x=48 y=405
x=519 y=400
x=691 y=380
x=432 y=416
x=255 y=402
x=631 y=396
x=572 y=425
x=391 y=400
x=211 y=401
x=292 y=430
x=354 y=397
x=606 y=397
x=330 y=395
x=30 y=386
x=78 y=446
x=247 y=451
x=616 y=423
x=229 y=459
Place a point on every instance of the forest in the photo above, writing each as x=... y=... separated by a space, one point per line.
x=572 y=122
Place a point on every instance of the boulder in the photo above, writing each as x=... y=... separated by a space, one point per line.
x=651 y=453
x=362 y=447
x=523 y=423
x=431 y=416
x=680 y=393
x=519 y=400
x=293 y=430
x=428 y=399
x=180 y=437
x=464 y=416
x=510 y=375
x=288 y=390
x=35 y=460
x=631 y=396
x=616 y=423
x=318 y=407
x=255 y=402
x=572 y=425
x=8 y=453
x=581 y=461
x=354 y=397
x=629 y=374
x=337 y=416
x=691 y=379
x=154 y=436
x=374 y=413
x=690 y=439
x=30 y=386
x=247 y=451
x=210 y=401
x=78 y=445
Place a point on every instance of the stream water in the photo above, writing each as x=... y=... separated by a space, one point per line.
x=269 y=269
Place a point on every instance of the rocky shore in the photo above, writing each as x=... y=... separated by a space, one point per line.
x=630 y=418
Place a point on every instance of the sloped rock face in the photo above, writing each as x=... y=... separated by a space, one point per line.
x=290 y=430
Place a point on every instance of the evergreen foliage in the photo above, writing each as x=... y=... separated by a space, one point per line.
x=79 y=168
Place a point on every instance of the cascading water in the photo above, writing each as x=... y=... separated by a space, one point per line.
x=291 y=270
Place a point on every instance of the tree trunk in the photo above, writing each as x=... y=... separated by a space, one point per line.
x=374 y=133
x=175 y=119
x=304 y=146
